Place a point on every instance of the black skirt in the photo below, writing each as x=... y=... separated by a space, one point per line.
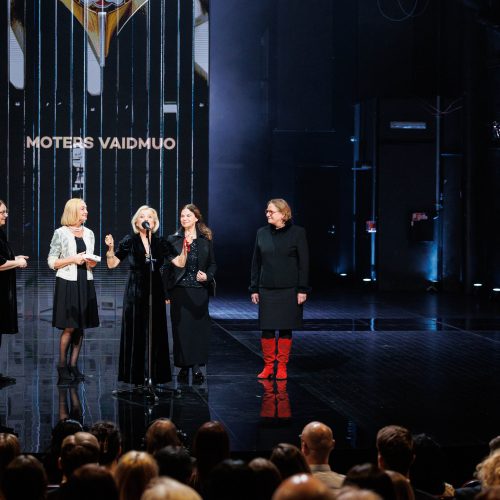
x=278 y=309
x=75 y=303
x=190 y=325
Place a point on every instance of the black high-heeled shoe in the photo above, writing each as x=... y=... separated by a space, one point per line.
x=65 y=376
x=76 y=373
x=198 y=377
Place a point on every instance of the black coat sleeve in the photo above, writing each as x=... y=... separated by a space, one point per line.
x=255 y=269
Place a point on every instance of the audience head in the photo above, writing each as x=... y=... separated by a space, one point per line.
x=303 y=487
x=110 y=442
x=210 y=446
x=395 y=449
x=175 y=462
x=488 y=471
x=370 y=477
x=289 y=460
x=132 y=474
x=24 y=479
x=427 y=471
x=353 y=493
x=402 y=485
x=62 y=429
x=231 y=479
x=162 y=432
x=166 y=488
x=78 y=449
x=317 y=443
x=267 y=477
x=9 y=449
x=90 y=481
x=494 y=444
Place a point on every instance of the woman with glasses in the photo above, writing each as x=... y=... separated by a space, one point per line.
x=8 y=301
x=75 y=302
x=279 y=284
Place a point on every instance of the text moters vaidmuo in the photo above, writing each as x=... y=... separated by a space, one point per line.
x=69 y=142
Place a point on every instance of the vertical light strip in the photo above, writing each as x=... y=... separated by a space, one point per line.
x=7 y=118
x=39 y=110
x=148 y=100
x=193 y=41
x=162 y=101
x=71 y=96
x=178 y=106
x=54 y=133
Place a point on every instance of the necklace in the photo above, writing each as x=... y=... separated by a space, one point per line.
x=75 y=229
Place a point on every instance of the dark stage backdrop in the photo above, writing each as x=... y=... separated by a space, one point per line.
x=105 y=100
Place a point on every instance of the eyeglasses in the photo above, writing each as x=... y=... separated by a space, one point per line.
x=271 y=212
x=4 y=212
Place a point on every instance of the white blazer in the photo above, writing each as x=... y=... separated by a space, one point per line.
x=63 y=245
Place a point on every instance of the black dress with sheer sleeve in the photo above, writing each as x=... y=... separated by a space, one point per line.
x=133 y=361
x=8 y=299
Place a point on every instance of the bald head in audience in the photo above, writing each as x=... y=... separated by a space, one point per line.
x=317 y=443
x=303 y=487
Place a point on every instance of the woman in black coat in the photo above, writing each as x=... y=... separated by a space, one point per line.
x=8 y=300
x=279 y=284
x=133 y=366
x=188 y=279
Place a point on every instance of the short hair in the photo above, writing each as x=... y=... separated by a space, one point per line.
x=71 y=213
x=175 y=462
x=24 y=477
x=303 y=487
x=162 y=432
x=78 y=449
x=370 y=477
x=9 y=449
x=91 y=481
x=3 y=203
x=395 y=446
x=156 y=225
x=110 y=441
x=282 y=206
x=132 y=474
x=166 y=488
x=488 y=471
x=289 y=460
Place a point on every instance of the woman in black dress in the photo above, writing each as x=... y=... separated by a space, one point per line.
x=8 y=300
x=279 y=284
x=188 y=278
x=75 y=302
x=133 y=364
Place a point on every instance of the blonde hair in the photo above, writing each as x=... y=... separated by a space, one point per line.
x=166 y=488
x=136 y=216
x=200 y=225
x=488 y=471
x=282 y=207
x=71 y=213
x=132 y=474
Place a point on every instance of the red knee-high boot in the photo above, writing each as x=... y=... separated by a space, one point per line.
x=284 y=347
x=269 y=355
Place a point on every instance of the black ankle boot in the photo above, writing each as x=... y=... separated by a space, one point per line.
x=76 y=373
x=65 y=376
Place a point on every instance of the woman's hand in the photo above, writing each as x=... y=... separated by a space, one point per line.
x=79 y=258
x=110 y=242
x=90 y=263
x=21 y=261
x=201 y=276
x=301 y=298
x=255 y=298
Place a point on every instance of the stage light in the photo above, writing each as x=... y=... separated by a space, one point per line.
x=478 y=284
x=367 y=279
x=343 y=274
x=496 y=289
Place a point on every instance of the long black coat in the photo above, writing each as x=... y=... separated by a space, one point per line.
x=8 y=298
x=134 y=334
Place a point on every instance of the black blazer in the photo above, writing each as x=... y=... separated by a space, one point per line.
x=206 y=259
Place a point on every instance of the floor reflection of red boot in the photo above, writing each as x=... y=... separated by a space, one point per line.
x=284 y=407
x=268 y=407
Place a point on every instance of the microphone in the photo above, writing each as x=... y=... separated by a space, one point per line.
x=146 y=225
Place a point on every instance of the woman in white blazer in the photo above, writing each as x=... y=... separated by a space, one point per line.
x=75 y=303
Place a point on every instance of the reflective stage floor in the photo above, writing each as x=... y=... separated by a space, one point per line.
x=430 y=362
